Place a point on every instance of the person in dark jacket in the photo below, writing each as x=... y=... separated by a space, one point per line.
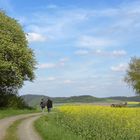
x=49 y=105
x=42 y=105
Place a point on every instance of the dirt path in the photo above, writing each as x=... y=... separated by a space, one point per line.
x=5 y=123
x=26 y=130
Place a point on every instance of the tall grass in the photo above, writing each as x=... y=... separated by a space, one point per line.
x=49 y=130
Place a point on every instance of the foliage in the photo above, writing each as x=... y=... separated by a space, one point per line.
x=48 y=129
x=12 y=100
x=133 y=74
x=17 y=102
x=126 y=99
x=17 y=61
x=100 y=123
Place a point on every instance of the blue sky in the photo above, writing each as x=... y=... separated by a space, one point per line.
x=83 y=47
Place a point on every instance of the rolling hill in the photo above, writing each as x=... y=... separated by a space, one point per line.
x=123 y=98
x=33 y=100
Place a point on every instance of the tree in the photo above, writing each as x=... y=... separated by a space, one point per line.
x=17 y=60
x=133 y=74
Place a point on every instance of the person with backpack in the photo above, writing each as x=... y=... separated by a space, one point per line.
x=42 y=105
x=49 y=105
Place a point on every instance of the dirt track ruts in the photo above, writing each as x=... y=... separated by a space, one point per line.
x=26 y=129
x=6 y=122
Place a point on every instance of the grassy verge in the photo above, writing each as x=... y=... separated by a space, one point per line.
x=49 y=130
x=12 y=131
x=133 y=104
x=11 y=112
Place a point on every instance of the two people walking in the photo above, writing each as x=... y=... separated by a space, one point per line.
x=43 y=104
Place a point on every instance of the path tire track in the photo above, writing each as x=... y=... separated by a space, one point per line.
x=6 y=122
x=26 y=130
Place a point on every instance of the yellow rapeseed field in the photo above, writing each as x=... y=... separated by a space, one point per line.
x=100 y=122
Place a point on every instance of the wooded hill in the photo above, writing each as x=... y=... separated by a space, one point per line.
x=123 y=98
x=33 y=100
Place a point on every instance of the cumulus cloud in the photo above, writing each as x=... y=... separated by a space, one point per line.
x=115 y=53
x=99 y=52
x=94 y=37
x=36 y=37
x=46 y=66
x=81 y=52
x=64 y=59
x=92 y=42
x=46 y=79
x=119 y=68
x=119 y=53
x=68 y=81
x=65 y=21
x=61 y=62
x=51 y=78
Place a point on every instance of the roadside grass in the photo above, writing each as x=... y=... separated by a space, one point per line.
x=12 y=131
x=49 y=130
x=11 y=112
x=133 y=104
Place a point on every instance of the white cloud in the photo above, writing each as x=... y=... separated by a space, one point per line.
x=68 y=81
x=58 y=64
x=62 y=61
x=36 y=37
x=63 y=23
x=119 y=68
x=51 y=78
x=65 y=59
x=64 y=26
x=115 y=53
x=58 y=25
x=22 y=20
x=46 y=79
x=119 y=53
x=81 y=52
x=92 y=42
x=99 y=52
x=46 y=66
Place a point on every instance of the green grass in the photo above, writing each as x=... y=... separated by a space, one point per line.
x=133 y=106
x=49 y=130
x=11 y=112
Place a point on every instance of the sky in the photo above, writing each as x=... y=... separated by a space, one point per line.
x=82 y=47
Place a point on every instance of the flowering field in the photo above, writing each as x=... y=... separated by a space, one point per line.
x=100 y=123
